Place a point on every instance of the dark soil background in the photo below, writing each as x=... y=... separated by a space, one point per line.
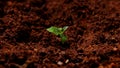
x=93 y=34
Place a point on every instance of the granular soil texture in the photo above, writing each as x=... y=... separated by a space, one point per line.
x=93 y=34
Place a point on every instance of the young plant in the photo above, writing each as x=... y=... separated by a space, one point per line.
x=59 y=32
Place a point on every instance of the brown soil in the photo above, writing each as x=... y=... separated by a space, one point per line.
x=93 y=34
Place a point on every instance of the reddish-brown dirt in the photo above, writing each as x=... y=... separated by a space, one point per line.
x=93 y=34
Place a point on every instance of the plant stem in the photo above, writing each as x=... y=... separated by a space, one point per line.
x=63 y=38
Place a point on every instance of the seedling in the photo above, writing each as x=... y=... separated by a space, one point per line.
x=59 y=32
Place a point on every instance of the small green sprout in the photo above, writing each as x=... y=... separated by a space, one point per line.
x=59 y=32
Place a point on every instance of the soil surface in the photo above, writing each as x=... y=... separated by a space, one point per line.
x=93 y=34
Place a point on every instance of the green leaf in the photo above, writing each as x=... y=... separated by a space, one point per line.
x=55 y=30
x=65 y=28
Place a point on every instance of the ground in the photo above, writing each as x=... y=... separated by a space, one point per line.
x=93 y=34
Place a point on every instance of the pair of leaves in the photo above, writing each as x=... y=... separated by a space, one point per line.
x=56 y=30
x=59 y=32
